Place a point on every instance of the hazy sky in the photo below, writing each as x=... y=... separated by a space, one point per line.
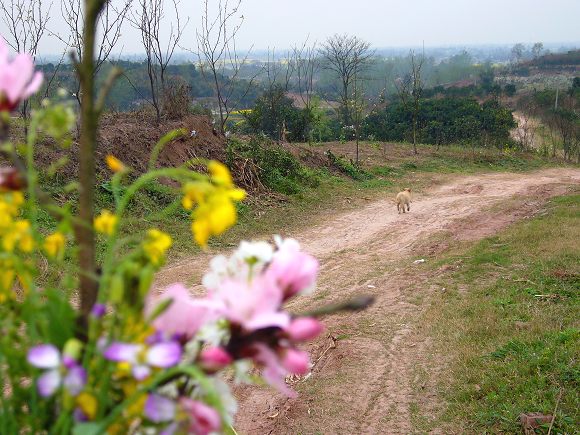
x=384 y=23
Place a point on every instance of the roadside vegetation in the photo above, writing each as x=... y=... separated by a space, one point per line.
x=508 y=326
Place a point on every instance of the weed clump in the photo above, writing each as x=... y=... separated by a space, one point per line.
x=348 y=167
x=277 y=168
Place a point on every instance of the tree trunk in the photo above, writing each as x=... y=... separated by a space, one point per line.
x=88 y=285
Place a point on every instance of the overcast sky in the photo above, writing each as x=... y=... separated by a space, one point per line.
x=384 y=23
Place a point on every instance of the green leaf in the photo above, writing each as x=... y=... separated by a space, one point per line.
x=92 y=428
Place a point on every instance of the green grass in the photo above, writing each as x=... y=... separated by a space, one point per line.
x=513 y=337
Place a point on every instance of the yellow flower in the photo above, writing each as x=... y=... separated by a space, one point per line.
x=106 y=222
x=18 y=233
x=115 y=164
x=194 y=193
x=156 y=245
x=220 y=174
x=10 y=204
x=215 y=211
x=213 y=218
x=54 y=244
x=7 y=275
x=88 y=404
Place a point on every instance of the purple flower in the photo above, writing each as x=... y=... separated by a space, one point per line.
x=59 y=370
x=186 y=414
x=142 y=358
x=159 y=409
x=98 y=310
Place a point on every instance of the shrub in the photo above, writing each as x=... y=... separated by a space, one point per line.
x=279 y=170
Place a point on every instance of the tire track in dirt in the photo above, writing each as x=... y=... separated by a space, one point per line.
x=365 y=384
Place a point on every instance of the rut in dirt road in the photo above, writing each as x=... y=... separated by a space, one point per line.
x=365 y=381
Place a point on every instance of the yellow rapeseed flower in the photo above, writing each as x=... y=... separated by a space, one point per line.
x=213 y=218
x=88 y=404
x=54 y=244
x=220 y=174
x=106 y=222
x=114 y=163
x=18 y=233
x=7 y=275
x=213 y=200
x=156 y=245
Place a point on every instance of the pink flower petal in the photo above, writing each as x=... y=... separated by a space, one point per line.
x=33 y=86
x=48 y=383
x=164 y=354
x=293 y=270
x=185 y=315
x=296 y=362
x=272 y=369
x=267 y=320
x=204 y=419
x=44 y=356
x=304 y=329
x=214 y=359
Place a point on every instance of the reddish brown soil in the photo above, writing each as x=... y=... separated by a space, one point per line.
x=369 y=367
x=131 y=136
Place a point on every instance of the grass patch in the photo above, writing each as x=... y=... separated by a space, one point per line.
x=513 y=337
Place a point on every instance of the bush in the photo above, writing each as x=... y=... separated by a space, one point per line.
x=348 y=167
x=444 y=121
x=279 y=170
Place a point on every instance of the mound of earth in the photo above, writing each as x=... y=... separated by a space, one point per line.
x=131 y=137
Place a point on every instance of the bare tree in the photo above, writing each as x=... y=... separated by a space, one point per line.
x=25 y=22
x=518 y=52
x=109 y=23
x=537 y=49
x=347 y=56
x=148 y=19
x=306 y=66
x=410 y=90
x=219 y=62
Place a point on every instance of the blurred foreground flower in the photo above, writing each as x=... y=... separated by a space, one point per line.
x=106 y=222
x=115 y=164
x=141 y=359
x=183 y=416
x=61 y=370
x=156 y=245
x=18 y=81
x=213 y=203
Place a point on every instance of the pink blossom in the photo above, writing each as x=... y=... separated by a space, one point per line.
x=296 y=361
x=294 y=271
x=186 y=315
x=304 y=329
x=273 y=370
x=18 y=80
x=213 y=359
x=203 y=419
x=252 y=305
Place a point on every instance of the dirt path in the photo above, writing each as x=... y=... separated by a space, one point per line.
x=373 y=371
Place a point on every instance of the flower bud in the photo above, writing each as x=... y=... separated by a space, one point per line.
x=213 y=359
x=296 y=361
x=304 y=329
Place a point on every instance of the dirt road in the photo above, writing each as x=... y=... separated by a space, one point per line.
x=369 y=366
